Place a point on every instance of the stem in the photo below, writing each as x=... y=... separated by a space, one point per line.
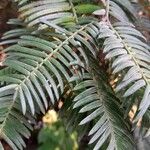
x=107 y=11
x=73 y=10
x=129 y=50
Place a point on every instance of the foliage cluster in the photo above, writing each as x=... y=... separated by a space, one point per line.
x=52 y=55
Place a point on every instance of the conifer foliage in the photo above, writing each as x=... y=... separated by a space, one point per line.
x=52 y=53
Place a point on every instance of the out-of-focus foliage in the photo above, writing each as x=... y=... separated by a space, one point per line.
x=50 y=118
x=53 y=135
x=146 y=4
